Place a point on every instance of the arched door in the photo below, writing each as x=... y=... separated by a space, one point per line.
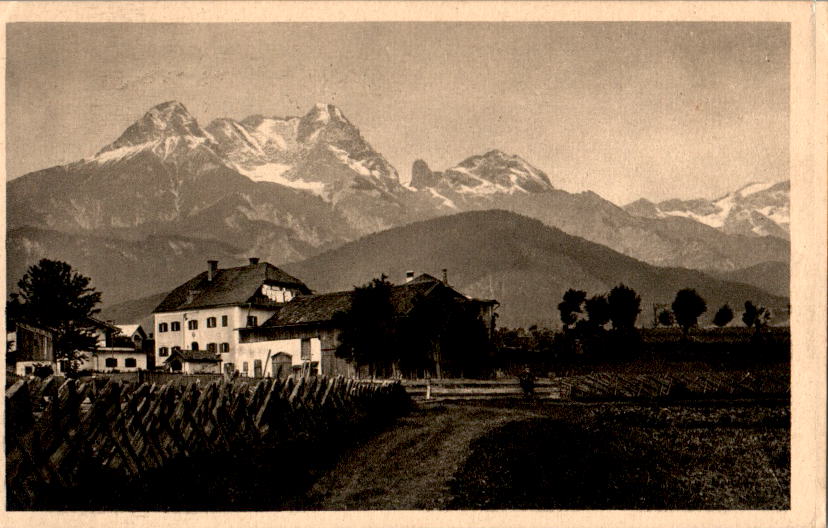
x=282 y=364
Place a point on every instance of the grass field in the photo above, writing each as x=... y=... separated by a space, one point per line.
x=716 y=456
x=523 y=455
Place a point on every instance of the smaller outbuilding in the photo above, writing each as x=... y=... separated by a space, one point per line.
x=32 y=346
x=193 y=362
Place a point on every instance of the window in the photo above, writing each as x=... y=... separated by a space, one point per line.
x=211 y=347
x=211 y=322
x=28 y=370
x=252 y=320
x=257 y=368
x=163 y=351
x=194 y=346
x=176 y=349
x=223 y=320
x=175 y=326
x=224 y=347
x=244 y=368
x=111 y=362
x=192 y=325
x=130 y=362
x=306 y=350
x=162 y=327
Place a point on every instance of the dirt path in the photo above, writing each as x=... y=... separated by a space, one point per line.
x=411 y=465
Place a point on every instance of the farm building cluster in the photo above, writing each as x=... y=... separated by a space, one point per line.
x=248 y=321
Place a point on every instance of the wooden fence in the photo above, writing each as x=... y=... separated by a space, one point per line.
x=610 y=386
x=56 y=430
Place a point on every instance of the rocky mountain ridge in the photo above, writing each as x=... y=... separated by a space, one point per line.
x=287 y=188
x=757 y=209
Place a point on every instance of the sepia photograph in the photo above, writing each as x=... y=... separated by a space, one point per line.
x=305 y=263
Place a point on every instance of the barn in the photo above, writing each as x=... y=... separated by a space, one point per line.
x=303 y=333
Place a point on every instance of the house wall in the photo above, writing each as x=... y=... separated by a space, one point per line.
x=237 y=318
x=265 y=350
x=120 y=355
x=200 y=367
x=324 y=341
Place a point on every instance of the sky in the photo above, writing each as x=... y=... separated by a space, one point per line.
x=627 y=110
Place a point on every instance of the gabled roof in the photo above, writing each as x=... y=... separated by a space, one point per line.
x=129 y=329
x=194 y=356
x=98 y=323
x=310 y=309
x=229 y=286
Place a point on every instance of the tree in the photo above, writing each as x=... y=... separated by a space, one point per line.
x=756 y=316
x=368 y=326
x=687 y=307
x=665 y=318
x=624 y=307
x=723 y=316
x=571 y=306
x=54 y=296
x=598 y=311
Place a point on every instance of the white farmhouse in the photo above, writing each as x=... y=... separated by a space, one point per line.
x=206 y=313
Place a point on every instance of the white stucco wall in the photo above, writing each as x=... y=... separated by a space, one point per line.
x=237 y=318
x=20 y=367
x=120 y=356
x=265 y=350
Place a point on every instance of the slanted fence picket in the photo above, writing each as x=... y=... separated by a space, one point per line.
x=57 y=429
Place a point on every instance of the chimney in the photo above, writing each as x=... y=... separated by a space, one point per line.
x=409 y=276
x=254 y=261
x=212 y=269
x=445 y=276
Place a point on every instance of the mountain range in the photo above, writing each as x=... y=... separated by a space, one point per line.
x=501 y=255
x=756 y=209
x=288 y=188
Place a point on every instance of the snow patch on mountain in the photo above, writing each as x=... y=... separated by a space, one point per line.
x=357 y=166
x=445 y=201
x=273 y=172
x=119 y=153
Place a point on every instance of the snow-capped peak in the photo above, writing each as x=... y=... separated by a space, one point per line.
x=324 y=113
x=168 y=119
x=497 y=172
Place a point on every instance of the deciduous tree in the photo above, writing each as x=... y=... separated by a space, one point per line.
x=368 y=329
x=624 y=307
x=665 y=318
x=687 y=307
x=723 y=316
x=571 y=305
x=598 y=311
